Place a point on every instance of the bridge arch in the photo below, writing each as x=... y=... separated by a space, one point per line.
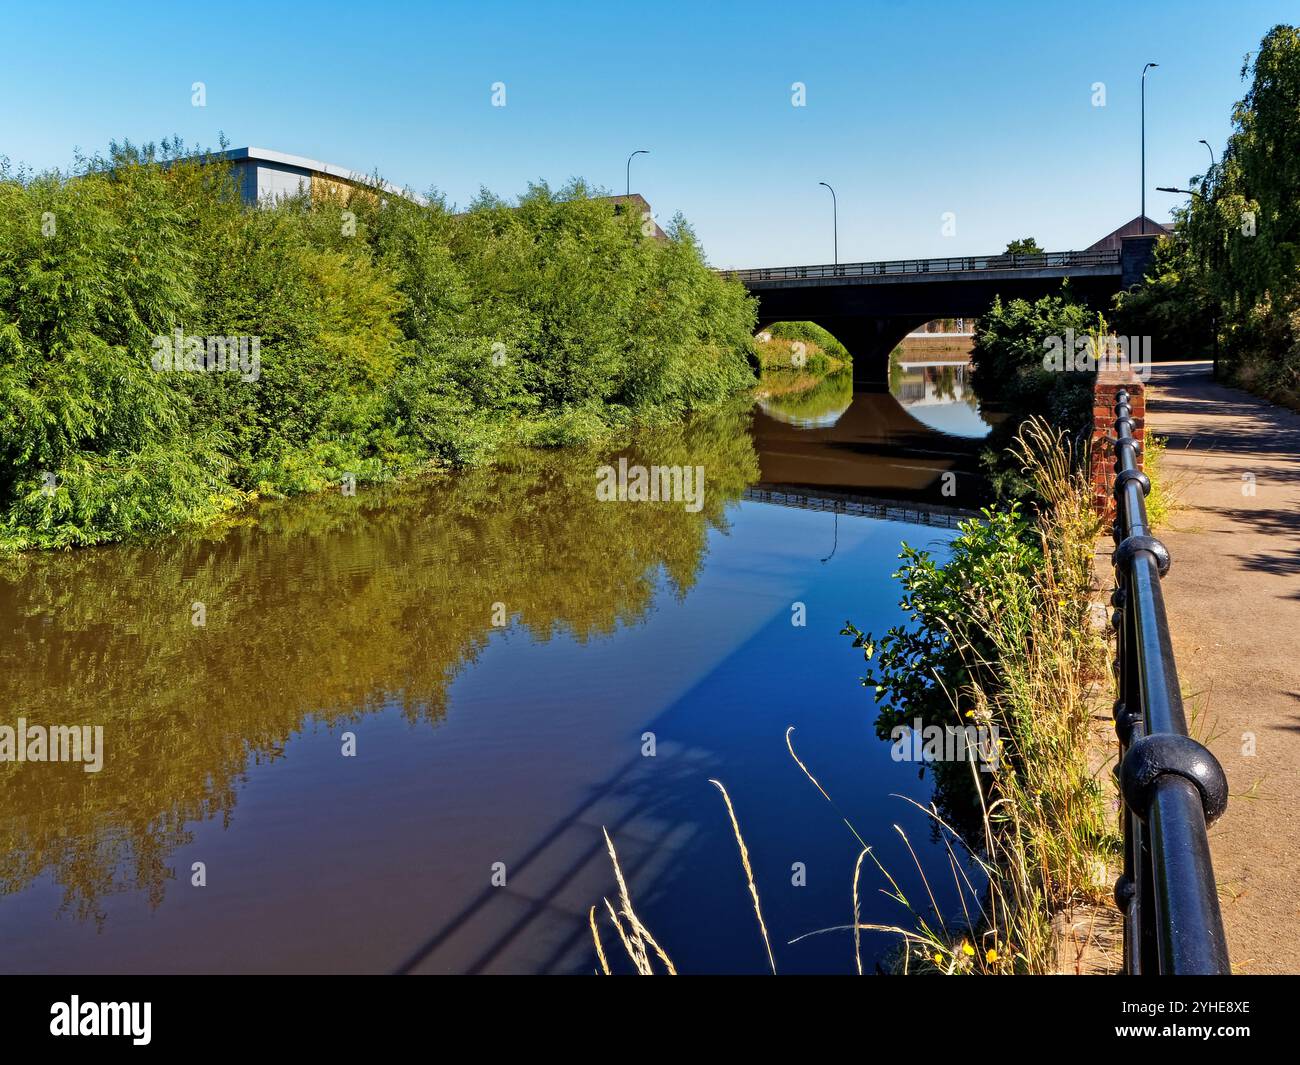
x=867 y=340
x=785 y=332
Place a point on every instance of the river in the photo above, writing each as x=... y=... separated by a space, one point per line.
x=391 y=726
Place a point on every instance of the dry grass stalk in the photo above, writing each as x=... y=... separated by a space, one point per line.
x=634 y=940
x=600 y=949
x=749 y=873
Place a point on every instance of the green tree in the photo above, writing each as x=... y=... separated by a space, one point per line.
x=1024 y=246
x=1014 y=374
x=1233 y=263
x=415 y=336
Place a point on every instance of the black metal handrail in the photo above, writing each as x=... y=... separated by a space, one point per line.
x=1172 y=786
x=961 y=264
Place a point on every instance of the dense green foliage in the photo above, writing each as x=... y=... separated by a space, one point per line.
x=929 y=668
x=392 y=335
x=1024 y=246
x=1172 y=306
x=1008 y=355
x=1010 y=375
x=788 y=353
x=1232 y=266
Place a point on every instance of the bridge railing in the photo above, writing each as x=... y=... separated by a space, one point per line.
x=961 y=264
x=858 y=506
x=1172 y=786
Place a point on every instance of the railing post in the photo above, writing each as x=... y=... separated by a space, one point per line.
x=1105 y=395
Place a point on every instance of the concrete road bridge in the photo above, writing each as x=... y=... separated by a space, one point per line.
x=871 y=307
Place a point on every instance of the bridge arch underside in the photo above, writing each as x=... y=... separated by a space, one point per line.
x=870 y=317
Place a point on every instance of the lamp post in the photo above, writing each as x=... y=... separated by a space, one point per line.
x=1144 y=143
x=836 y=542
x=1205 y=185
x=639 y=151
x=1184 y=192
x=835 y=223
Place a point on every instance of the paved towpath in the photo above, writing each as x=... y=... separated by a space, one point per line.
x=1233 y=598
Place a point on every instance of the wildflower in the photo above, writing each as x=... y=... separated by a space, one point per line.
x=967 y=949
x=991 y=956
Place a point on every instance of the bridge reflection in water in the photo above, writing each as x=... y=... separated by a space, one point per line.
x=887 y=444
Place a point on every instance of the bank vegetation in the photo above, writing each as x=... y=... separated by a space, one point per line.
x=390 y=337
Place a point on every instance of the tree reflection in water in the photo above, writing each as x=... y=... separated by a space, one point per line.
x=318 y=611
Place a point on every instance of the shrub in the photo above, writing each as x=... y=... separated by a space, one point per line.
x=1010 y=377
x=998 y=635
x=411 y=336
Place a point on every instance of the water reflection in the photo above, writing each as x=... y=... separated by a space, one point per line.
x=814 y=405
x=475 y=744
x=875 y=446
x=938 y=392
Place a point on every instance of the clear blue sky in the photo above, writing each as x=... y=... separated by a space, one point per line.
x=913 y=109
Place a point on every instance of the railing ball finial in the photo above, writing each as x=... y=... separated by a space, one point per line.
x=1164 y=753
x=1130 y=545
x=1124 y=476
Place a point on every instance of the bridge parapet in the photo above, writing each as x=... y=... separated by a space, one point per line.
x=1050 y=260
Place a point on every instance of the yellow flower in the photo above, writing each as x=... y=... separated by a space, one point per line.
x=938 y=959
x=967 y=949
x=991 y=956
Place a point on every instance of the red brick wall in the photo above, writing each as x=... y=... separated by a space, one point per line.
x=1109 y=382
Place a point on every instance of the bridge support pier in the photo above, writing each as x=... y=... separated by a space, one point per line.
x=870 y=340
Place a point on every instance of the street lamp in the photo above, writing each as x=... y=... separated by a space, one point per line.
x=835 y=223
x=1205 y=184
x=1144 y=143
x=1184 y=192
x=639 y=151
x=836 y=543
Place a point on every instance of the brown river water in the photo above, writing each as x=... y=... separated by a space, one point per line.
x=499 y=650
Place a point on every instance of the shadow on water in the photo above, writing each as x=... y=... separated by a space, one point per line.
x=476 y=744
